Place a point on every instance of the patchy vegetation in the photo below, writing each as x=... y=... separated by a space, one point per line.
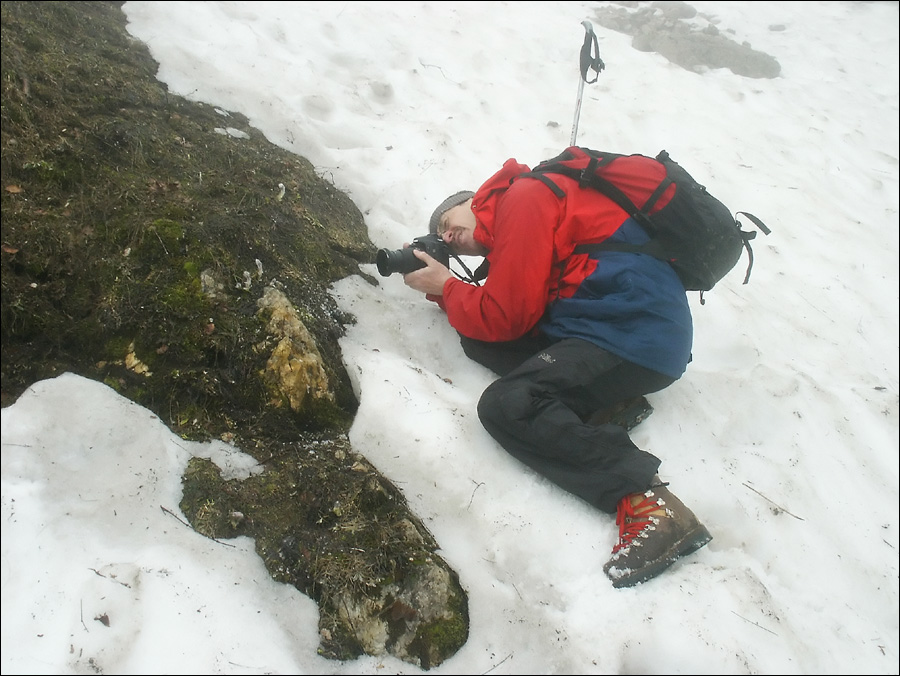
x=350 y=543
x=148 y=244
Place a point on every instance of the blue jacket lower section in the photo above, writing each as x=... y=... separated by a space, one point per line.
x=632 y=305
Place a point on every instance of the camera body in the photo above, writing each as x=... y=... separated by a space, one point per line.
x=404 y=260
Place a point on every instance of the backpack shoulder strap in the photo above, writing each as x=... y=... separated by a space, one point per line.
x=588 y=178
x=546 y=181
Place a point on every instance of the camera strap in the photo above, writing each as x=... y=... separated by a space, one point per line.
x=473 y=278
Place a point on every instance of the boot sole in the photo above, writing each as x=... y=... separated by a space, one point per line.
x=690 y=543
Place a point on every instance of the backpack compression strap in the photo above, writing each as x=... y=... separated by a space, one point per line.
x=747 y=236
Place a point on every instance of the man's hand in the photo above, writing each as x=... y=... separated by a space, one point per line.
x=431 y=278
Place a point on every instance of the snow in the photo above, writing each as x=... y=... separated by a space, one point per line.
x=782 y=436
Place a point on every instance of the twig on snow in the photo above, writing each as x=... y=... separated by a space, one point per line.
x=774 y=503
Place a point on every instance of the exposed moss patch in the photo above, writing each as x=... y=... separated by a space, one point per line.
x=117 y=196
x=325 y=521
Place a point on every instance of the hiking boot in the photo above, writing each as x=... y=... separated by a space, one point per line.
x=655 y=528
x=628 y=414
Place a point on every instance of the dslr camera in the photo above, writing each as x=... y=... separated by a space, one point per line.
x=404 y=260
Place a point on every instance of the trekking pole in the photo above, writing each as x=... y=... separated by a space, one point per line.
x=590 y=60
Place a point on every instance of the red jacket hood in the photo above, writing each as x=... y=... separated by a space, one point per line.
x=484 y=204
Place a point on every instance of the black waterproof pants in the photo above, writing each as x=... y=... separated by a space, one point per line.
x=537 y=408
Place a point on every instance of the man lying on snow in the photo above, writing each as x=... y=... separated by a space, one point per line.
x=569 y=334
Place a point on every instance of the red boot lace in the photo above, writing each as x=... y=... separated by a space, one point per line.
x=633 y=519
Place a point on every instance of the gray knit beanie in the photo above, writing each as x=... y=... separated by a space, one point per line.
x=452 y=201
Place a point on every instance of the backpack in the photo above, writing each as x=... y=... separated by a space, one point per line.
x=688 y=227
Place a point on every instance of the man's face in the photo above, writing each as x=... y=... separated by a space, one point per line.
x=456 y=228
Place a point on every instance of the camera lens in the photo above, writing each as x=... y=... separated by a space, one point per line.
x=401 y=260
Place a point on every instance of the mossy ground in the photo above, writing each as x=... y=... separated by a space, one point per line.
x=137 y=236
x=119 y=197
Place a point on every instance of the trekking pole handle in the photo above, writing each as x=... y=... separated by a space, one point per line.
x=590 y=54
x=587 y=61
